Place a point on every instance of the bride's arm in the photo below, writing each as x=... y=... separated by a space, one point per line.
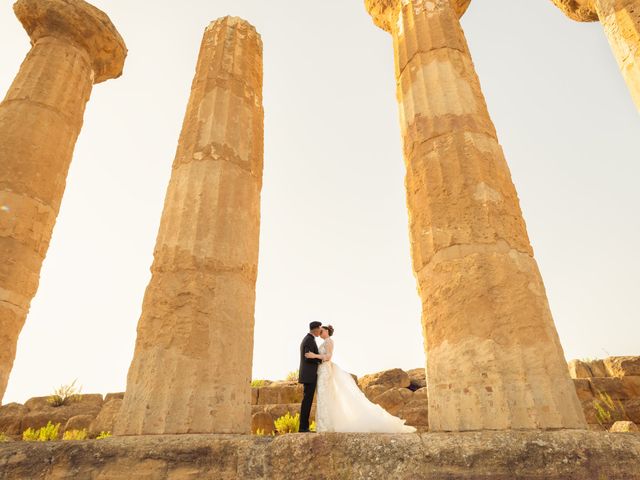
x=326 y=357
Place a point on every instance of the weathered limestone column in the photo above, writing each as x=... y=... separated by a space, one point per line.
x=74 y=45
x=494 y=358
x=621 y=22
x=191 y=370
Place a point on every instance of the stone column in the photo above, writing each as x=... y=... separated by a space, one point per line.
x=494 y=358
x=74 y=45
x=621 y=22
x=191 y=370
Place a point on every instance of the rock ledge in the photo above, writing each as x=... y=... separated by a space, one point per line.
x=509 y=455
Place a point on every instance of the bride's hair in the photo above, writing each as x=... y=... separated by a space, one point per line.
x=329 y=329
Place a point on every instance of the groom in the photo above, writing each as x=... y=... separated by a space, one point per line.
x=308 y=373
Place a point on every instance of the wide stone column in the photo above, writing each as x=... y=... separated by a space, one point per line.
x=191 y=370
x=494 y=358
x=621 y=22
x=74 y=45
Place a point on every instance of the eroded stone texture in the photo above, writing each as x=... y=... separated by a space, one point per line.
x=494 y=357
x=74 y=46
x=621 y=22
x=191 y=369
x=510 y=455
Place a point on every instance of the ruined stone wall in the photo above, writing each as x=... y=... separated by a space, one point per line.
x=402 y=393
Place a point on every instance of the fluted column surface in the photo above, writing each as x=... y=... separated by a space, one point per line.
x=494 y=357
x=191 y=369
x=621 y=22
x=40 y=120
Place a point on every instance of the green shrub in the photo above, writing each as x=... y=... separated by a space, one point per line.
x=103 y=435
x=258 y=383
x=75 y=434
x=44 y=434
x=64 y=395
x=608 y=411
x=292 y=376
x=287 y=423
x=4 y=437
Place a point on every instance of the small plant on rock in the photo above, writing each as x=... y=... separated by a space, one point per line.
x=64 y=395
x=258 y=383
x=75 y=434
x=45 y=434
x=287 y=423
x=4 y=437
x=608 y=411
x=292 y=376
x=103 y=435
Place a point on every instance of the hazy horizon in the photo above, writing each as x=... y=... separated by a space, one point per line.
x=334 y=241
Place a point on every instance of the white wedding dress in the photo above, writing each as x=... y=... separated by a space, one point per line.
x=342 y=407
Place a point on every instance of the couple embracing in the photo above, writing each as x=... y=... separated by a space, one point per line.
x=341 y=406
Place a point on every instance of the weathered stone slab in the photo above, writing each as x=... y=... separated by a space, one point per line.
x=394 y=399
x=262 y=421
x=279 y=393
x=11 y=418
x=40 y=411
x=632 y=409
x=374 y=391
x=579 y=369
x=622 y=366
x=79 y=422
x=106 y=419
x=395 y=377
x=618 y=388
x=583 y=388
x=597 y=368
x=509 y=455
x=418 y=378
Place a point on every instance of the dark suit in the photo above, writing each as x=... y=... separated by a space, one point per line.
x=308 y=376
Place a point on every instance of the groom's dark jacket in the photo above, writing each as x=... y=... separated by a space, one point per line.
x=308 y=371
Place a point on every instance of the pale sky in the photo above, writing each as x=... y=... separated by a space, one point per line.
x=334 y=240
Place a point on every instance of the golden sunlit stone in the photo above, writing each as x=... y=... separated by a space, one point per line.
x=494 y=357
x=621 y=22
x=191 y=370
x=74 y=45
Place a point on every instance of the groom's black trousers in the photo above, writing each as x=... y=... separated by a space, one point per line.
x=305 y=408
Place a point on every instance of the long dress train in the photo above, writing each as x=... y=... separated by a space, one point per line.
x=342 y=407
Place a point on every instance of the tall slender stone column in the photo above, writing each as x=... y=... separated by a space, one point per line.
x=191 y=370
x=621 y=22
x=494 y=358
x=74 y=45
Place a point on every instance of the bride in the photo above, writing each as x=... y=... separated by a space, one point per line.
x=341 y=406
